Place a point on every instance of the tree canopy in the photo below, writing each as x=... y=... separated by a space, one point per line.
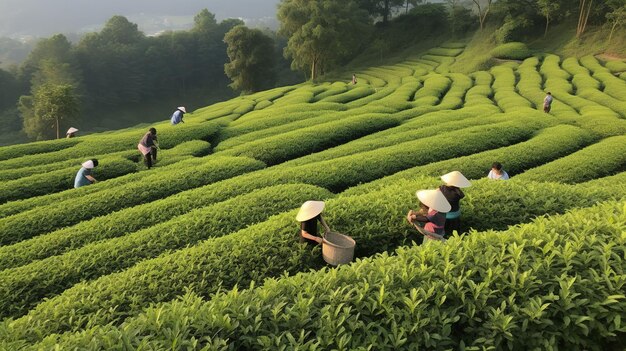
x=322 y=33
x=251 y=54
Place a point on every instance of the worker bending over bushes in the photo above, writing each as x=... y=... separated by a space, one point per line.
x=84 y=177
x=454 y=181
x=148 y=147
x=432 y=212
x=308 y=216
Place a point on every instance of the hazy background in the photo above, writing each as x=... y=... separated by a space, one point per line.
x=42 y=18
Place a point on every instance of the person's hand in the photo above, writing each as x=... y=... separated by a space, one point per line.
x=410 y=217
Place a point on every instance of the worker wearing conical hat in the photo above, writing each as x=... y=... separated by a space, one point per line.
x=84 y=175
x=71 y=132
x=454 y=181
x=177 y=116
x=433 y=208
x=308 y=216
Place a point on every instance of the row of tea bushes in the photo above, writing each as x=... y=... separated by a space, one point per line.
x=375 y=220
x=62 y=179
x=127 y=220
x=604 y=158
x=427 y=125
x=612 y=85
x=515 y=158
x=557 y=283
x=303 y=141
x=181 y=152
x=169 y=137
x=8 y=152
x=46 y=278
x=177 y=178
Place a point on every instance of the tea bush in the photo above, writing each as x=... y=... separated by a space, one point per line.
x=604 y=158
x=515 y=158
x=375 y=220
x=47 y=277
x=179 y=153
x=511 y=51
x=169 y=136
x=62 y=179
x=43 y=219
x=7 y=152
x=282 y=147
x=519 y=293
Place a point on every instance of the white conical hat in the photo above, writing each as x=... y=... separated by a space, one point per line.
x=72 y=130
x=434 y=199
x=309 y=210
x=457 y=179
x=88 y=164
x=182 y=108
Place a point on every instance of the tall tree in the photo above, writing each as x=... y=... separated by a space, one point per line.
x=483 y=7
x=251 y=54
x=617 y=16
x=382 y=8
x=49 y=107
x=322 y=32
x=584 y=11
x=547 y=8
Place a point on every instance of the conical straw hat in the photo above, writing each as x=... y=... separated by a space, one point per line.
x=72 y=130
x=434 y=199
x=88 y=164
x=457 y=179
x=309 y=210
x=182 y=108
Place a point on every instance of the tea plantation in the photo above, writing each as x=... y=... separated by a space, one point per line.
x=200 y=251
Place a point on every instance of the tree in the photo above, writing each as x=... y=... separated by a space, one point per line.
x=383 y=8
x=584 y=11
x=322 y=32
x=482 y=11
x=547 y=8
x=50 y=106
x=617 y=17
x=251 y=54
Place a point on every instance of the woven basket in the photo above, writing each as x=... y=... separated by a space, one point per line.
x=337 y=248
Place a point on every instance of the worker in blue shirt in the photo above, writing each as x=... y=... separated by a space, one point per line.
x=177 y=116
x=84 y=177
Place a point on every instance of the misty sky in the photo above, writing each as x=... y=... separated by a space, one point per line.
x=46 y=17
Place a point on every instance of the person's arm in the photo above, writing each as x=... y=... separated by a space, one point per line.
x=90 y=178
x=306 y=235
x=326 y=227
x=413 y=216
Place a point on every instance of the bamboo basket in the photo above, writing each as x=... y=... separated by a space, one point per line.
x=337 y=248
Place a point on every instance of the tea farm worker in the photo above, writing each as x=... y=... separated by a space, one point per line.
x=433 y=209
x=84 y=175
x=354 y=79
x=547 y=102
x=71 y=132
x=497 y=172
x=148 y=147
x=177 y=116
x=454 y=181
x=308 y=216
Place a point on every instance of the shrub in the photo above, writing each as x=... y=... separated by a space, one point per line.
x=375 y=220
x=169 y=136
x=303 y=141
x=515 y=158
x=47 y=277
x=616 y=66
x=604 y=158
x=8 y=152
x=520 y=293
x=155 y=186
x=350 y=95
x=62 y=179
x=511 y=51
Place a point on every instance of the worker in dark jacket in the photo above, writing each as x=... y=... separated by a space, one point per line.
x=454 y=181
x=311 y=213
x=148 y=147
